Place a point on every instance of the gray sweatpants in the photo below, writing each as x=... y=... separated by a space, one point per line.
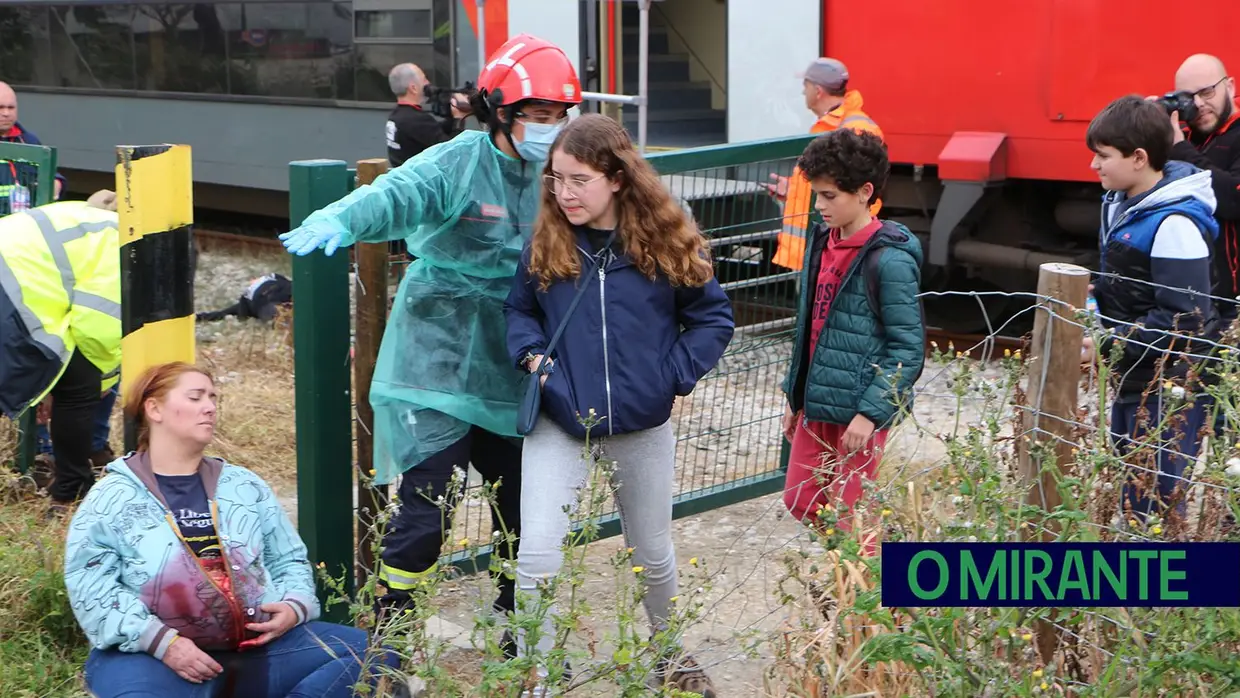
x=553 y=472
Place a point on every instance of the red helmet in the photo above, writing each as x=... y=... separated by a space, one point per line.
x=527 y=67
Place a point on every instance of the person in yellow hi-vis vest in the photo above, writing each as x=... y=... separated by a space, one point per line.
x=60 y=325
x=827 y=95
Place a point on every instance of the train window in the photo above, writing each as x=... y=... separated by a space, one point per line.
x=92 y=46
x=316 y=49
x=25 y=51
x=374 y=61
x=290 y=50
x=392 y=24
x=179 y=48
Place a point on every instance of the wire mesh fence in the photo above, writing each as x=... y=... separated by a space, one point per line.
x=729 y=444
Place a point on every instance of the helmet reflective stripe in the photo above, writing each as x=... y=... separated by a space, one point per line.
x=506 y=60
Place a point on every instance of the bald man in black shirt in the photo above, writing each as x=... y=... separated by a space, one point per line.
x=411 y=128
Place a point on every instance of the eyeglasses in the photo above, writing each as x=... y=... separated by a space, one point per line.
x=1207 y=93
x=541 y=119
x=572 y=186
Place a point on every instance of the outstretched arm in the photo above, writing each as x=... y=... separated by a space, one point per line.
x=418 y=192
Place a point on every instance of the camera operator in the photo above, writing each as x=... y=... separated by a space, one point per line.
x=1205 y=100
x=412 y=127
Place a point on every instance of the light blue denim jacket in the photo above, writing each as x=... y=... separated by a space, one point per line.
x=134 y=585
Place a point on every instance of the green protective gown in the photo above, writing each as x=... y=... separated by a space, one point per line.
x=465 y=210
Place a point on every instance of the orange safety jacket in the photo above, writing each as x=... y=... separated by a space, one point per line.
x=797 y=206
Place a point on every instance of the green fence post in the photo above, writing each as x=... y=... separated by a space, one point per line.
x=321 y=366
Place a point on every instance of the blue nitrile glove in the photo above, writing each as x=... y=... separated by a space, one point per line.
x=312 y=236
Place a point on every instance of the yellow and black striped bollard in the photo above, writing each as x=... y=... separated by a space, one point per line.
x=154 y=193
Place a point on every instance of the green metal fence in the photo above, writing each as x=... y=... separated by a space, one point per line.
x=33 y=172
x=729 y=446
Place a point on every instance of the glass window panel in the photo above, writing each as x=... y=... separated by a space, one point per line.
x=25 y=54
x=180 y=48
x=92 y=46
x=393 y=24
x=290 y=49
x=375 y=60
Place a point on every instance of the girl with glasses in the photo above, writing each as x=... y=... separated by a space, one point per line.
x=650 y=322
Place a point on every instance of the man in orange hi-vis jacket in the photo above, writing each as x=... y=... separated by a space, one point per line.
x=827 y=95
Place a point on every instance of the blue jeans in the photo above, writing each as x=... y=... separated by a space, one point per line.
x=1170 y=454
x=294 y=665
x=103 y=425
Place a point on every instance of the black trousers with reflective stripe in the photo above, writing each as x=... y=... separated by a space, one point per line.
x=415 y=536
x=75 y=399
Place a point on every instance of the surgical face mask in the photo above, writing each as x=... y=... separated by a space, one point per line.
x=536 y=145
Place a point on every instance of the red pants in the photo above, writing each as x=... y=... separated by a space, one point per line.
x=821 y=473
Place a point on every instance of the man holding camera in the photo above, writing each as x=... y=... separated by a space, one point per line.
x=410 y=128
x=1205 y=100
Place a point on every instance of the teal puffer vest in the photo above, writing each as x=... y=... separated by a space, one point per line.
x=866 y=362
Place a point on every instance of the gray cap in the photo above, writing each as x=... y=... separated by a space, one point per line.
x=826 y=72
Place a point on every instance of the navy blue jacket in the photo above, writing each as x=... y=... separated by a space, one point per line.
x=1164 y=237
x=623 y=353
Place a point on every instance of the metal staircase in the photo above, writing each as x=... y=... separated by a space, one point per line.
x=680 y=113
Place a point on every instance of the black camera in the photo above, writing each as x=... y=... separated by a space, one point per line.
x=1181 y=102
x=439 y=99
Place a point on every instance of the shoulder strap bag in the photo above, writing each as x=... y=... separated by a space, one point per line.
x=531 y=401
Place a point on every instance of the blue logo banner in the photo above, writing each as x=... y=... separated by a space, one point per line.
x=1061 y=574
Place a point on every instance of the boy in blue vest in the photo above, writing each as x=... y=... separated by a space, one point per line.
x=1158 y=233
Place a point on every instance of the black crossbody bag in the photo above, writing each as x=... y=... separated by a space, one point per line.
x=531 y=401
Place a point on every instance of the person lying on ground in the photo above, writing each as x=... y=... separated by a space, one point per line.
x=187 y=576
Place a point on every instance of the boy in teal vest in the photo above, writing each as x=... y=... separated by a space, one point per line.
x=860 y=337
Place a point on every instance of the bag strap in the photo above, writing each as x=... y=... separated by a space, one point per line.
x=555 y=338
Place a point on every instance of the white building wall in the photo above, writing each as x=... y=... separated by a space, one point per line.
x=557 y=21
x=766 y=51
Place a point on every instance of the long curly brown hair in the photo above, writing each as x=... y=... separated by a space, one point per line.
x=655 y=231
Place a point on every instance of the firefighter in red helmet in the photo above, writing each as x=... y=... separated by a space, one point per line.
x=444 y=392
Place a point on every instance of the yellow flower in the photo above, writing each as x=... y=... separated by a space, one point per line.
x=464 y=542
x=322 y=565
x=630 y=550
x=693 y=561
x=1026 y=637
x=1044 y=686
x=886 y=512
x=1156 y=530
x=830 y=531
x=1016 y=354
x=1037 y=673
x=1007 y=352
x=674 y=599
x=638 y=569
x=372 y=472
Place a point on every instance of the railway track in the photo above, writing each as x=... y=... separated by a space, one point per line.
x=751 y=318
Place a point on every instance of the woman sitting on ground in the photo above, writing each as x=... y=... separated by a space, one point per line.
x=187 y=576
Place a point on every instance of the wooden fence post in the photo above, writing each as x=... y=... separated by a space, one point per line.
x=372 y=293
x=1050 y=415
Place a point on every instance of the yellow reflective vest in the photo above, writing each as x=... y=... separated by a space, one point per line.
x=60 y=291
